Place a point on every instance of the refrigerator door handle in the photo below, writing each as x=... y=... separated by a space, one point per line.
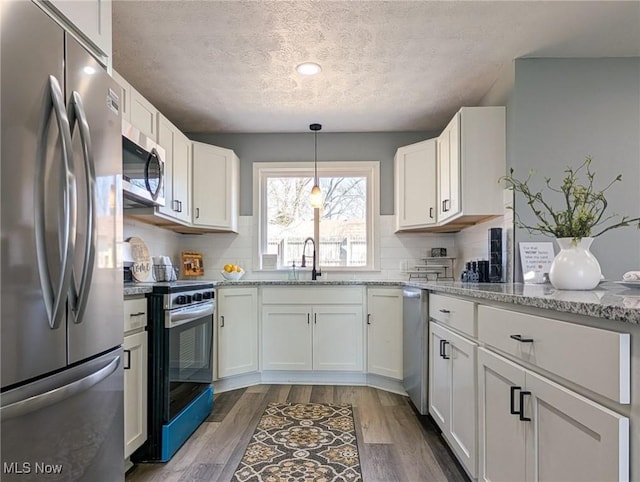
x=57 y=395
x=55 y=297
x=79 y=293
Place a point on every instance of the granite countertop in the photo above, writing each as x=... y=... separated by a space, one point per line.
x=609 y=300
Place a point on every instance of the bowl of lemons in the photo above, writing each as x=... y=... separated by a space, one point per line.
x=232 y=272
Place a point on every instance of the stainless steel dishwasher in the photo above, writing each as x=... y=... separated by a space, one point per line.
x=416 y=346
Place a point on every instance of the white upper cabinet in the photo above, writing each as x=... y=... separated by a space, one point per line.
x=91 y=18
x=471 y=159
x=144 y=115
x=215 y=175
x=176 y=171
x=415 y=185
x=125 y=96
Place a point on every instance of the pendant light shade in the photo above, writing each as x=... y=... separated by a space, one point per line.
x=315 y=197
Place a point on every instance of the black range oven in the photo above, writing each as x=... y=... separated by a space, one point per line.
x=180 y=365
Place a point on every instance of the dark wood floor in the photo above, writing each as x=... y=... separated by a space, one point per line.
x=393 y=444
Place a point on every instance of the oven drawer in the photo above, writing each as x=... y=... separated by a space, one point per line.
x=596 y=359
x=457 y=313
x=135 y=313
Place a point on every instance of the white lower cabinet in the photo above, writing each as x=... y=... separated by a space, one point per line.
x=384 y=332
x=531 y=428
x=237 y=331
x=452 y=391
x=135 y=391
x=287 y=338
x=312 y=337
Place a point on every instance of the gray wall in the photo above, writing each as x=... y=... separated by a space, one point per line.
x=562 y=110
x=368 y=146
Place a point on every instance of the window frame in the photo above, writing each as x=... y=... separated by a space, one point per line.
x=368 y=169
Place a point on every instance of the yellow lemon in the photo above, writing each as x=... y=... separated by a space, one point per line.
x=228 y=268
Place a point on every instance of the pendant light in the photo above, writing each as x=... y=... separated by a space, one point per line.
x=315 y=197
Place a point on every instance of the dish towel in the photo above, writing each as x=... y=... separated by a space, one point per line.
x=631 y=276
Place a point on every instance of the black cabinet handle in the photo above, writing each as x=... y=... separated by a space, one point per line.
x=139 y=313
x=197 y=213
x=431 y=213
x=513 y=401
x=221 y=321
x=444 y=351
x=315 y=319
x=445 y=311
x=445 y=205
x=521 y=413
x=308 y=318
x=127 y=363
x=368 y=318
x=520 y=339
x=441 y=348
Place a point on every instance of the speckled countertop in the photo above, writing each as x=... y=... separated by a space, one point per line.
x=609 y=300
x=133 y=289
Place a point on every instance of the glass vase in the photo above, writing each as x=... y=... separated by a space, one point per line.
x=574 y=267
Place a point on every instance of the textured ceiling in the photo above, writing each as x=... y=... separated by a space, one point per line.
x=229 y=66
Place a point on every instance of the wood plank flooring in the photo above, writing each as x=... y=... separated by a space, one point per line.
x=393 y=444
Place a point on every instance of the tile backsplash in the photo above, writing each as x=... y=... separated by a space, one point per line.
x=399 y=252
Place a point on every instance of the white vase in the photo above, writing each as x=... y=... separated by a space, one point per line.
x=574 y=267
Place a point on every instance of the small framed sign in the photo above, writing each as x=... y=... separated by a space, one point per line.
x=192 y=263
x=536 y=259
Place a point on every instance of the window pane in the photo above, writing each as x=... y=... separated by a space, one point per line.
x=343 y=221
x=289 y=217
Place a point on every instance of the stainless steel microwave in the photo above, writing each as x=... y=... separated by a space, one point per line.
x=142 y=169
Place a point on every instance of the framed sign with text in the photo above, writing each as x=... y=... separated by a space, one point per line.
x=536 y=259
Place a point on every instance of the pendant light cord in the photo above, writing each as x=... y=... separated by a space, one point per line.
x=315 y=162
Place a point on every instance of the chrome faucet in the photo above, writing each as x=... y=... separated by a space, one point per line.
x=314 y=273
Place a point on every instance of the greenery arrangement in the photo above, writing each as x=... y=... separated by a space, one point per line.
x=584 y=210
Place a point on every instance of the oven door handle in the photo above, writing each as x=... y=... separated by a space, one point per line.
x=187 y=315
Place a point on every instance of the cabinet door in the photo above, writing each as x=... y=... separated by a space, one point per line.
x=125 y=96
x=143 y=115
x=439 y=384
x=501 y=433
x=463 y=419
x=92 y=18
x=384 y=324
x=166 y=139
x=135 y=391
x=182 y=176
x=449 y=170
x=286 y=337
x=237 y=331
x=573 y=438
x=415 y=185
x=338 y=338
x=215 y=187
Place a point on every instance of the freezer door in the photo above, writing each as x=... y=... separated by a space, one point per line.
x=68 y=426
x=31 y=51
x=95 y=301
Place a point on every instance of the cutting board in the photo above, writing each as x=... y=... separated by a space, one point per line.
x=141 y=269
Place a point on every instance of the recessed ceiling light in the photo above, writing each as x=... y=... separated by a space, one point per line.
x=308 y=68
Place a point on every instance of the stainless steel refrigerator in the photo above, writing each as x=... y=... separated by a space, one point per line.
x=415 y=335
x=61 y=328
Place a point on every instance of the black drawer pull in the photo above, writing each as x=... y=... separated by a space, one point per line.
x=513 y=401
x=444 y=351
x=520 y=339
x=445 y=311
x=139 y=313
x=521 y=413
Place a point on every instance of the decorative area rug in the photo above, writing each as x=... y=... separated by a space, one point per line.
x=302 y=442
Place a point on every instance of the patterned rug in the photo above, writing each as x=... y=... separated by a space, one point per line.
x=302 y=442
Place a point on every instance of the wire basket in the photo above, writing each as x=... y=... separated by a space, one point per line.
x=162 y=272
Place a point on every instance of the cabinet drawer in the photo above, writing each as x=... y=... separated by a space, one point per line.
x=591 y=357
x=287 y=295
x=135 y=313
x=453 y=312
